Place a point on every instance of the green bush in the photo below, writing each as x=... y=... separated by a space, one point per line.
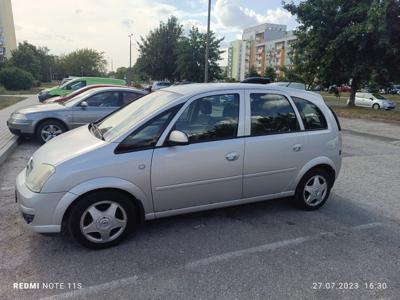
x=15 y=79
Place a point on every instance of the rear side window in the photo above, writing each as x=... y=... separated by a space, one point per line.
x=312 y=117
x=128 y=97
x=271 y=114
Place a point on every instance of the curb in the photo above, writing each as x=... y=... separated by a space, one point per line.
x=8 y=149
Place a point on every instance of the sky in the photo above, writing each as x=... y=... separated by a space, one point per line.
x=104 y=25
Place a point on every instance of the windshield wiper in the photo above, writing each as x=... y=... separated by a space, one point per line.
x=97 y=130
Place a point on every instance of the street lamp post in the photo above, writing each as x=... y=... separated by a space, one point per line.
x=207 y=43
x=130 y=50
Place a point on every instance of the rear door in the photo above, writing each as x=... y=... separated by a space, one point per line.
x=99 y=105
x=274 y=148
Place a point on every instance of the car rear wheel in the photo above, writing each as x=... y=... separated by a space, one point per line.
x=376 y=106
x=48 y=130
x=313 y=189
x=102 y=219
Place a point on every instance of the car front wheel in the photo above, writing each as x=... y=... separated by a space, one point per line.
x=313 y=189
x=102 y=219
x=376 y=106
x=48 y=130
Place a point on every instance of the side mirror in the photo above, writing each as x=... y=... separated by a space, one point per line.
x=178 y=138
x=371 y=99
x=83 y=104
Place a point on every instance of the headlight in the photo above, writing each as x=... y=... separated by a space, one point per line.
x=37 y=176
x=19 y=116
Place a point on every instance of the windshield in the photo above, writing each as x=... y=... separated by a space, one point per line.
x=75 y=100
x=127 y=117
x=379 y=96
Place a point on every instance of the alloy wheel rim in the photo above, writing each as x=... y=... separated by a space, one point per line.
x=315 y=190
x=103 y=221
x=50 y=131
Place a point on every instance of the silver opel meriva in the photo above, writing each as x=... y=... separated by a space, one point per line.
x=179 y=150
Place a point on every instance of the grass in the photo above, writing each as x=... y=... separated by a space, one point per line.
x=6 y=101
x=31 y=91
x=339 y=105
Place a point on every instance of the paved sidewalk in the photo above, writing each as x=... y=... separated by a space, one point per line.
x=388 y=130
x=7 y=140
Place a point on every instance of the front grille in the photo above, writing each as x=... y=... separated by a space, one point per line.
x=28 y=218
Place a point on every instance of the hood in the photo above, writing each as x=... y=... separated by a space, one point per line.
x=40 y=108
x=67 y=146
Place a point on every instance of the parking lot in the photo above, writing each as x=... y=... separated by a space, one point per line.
x=350 y=248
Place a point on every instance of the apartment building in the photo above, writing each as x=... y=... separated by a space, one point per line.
x=265 y=45
x=234 y=58
x=254 y=44
x=277 y=52
x=7 y=30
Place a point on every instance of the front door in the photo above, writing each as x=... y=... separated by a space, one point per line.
x=98 y=106
x=209 y=169
x=275 y=146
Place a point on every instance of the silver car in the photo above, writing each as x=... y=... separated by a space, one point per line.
x=373 y=100
x=45 y=121
x=178 y=150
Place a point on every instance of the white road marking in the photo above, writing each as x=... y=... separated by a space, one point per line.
x=118 y=283
x=7 y=188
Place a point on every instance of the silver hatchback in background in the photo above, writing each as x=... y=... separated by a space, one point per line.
x=45 y=121
x=373 y=100
x=178 y=150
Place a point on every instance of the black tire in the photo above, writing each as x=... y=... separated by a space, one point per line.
x=301 y=194
x=100 y=197
x=376 y=106
x=57 y=125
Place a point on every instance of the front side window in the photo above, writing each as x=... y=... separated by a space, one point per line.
x=271 y=114
x=312 y=117
x=147 y=136
x=210 y=118
x=106 y=99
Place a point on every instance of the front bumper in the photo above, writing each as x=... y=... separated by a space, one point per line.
x=43 y=97
x=20 y=127
x=37 y=208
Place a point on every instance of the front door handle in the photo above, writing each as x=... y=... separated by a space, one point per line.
x=297 y=147
x=232 y=156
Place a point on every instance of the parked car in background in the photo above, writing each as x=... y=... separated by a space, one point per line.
x=395 y=90
x=373 y=100
x=182 y=149
x=75 y=84
x=157 y=85
x=45 y=121
x=260 y=80
x=66 y=79
x=344 y=89
x=61 y=99
x=293 y=85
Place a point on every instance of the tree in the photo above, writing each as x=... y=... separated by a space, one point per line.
x=34 y=60
x=82 y=62
x=190 y=57
x=252 y=72
x=157 y=52
x=14 y=79
x=270 y=73
x=347 y=40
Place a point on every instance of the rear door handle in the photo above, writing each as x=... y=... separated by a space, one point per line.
x=297 y=147
x=232 y=156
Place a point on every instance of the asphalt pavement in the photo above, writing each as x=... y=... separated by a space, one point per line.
x=349 y=249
